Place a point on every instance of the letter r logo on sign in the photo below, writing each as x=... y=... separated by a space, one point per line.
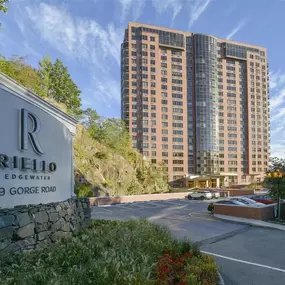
x=26 y=134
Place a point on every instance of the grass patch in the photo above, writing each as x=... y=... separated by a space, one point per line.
x=109 y=252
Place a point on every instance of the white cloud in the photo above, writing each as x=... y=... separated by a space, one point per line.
x=126 y=6
x=107 y=89
x=77 y=37
x=277 y=106
x=81 y=39
x=277 y=149
x=276 y=79
x=162 y=6
x=135 y=7
x=277 y=100
x=236 y=29
x=197 y=8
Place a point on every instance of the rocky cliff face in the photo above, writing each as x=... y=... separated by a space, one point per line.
x=115 y=174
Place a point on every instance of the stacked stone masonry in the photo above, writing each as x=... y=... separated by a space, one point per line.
x=25 y=228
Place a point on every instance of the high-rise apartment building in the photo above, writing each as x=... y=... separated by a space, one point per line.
x=197 y=103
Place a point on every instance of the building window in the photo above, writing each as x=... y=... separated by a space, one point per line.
x=178 y=169
x=164 y=117
x=152 y=39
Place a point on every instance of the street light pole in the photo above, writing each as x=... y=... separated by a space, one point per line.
x=278 y=199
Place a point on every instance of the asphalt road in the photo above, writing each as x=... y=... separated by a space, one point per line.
x=246 y=255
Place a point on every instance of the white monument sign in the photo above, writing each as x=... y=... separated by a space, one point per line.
x=36 y=157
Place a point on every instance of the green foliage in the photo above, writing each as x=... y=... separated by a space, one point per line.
x=211 y=207
x=202 y=270
x=102 y=151
x=253 y=186
x=17 y=68
x=108 y=252
x=276 y=163
x=62 y=87
x=274 y=184
x=83 y=190
x=51 y=81
x=45 y=69
x=3 y=7
x=114 y=166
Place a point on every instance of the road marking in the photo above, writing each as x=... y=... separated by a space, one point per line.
x=243 y=261
x=202 y=217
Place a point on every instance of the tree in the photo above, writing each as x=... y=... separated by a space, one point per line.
x=90 y=118
x=3 y=7
x=17 y=68
x=276 y=163
x=63 y=89
x=275 y=183
x=45 y=70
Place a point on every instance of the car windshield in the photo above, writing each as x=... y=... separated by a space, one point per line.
x=247 y=200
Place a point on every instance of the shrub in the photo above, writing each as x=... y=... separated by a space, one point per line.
x=107 y=252
x=211 y=207
x=83 y=190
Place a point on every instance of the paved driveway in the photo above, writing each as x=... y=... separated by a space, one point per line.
x=246 y=255
x=184 y=218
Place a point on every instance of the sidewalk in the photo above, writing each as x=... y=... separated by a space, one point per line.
x=256 y=223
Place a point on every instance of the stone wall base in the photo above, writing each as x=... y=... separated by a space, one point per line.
x=25 y=228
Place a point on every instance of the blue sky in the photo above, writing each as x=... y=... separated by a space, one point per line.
x=86 y=36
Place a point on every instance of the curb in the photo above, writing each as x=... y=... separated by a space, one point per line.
x=269 y=226
x=222 y=282
x=221 y=237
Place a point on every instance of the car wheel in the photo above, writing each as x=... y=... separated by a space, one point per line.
x=202 y=198
x=189 y=198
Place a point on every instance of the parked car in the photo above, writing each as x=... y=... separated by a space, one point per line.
x=229 y=202
x=247 y=201
x=265 y=199
x=215 y=194
x=224 y=202
x=202 y=195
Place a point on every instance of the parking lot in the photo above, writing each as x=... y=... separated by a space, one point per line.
x=246 y=255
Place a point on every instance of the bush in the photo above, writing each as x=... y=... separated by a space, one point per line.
x=83 y=190
x=211 y=207
x=108 y=252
